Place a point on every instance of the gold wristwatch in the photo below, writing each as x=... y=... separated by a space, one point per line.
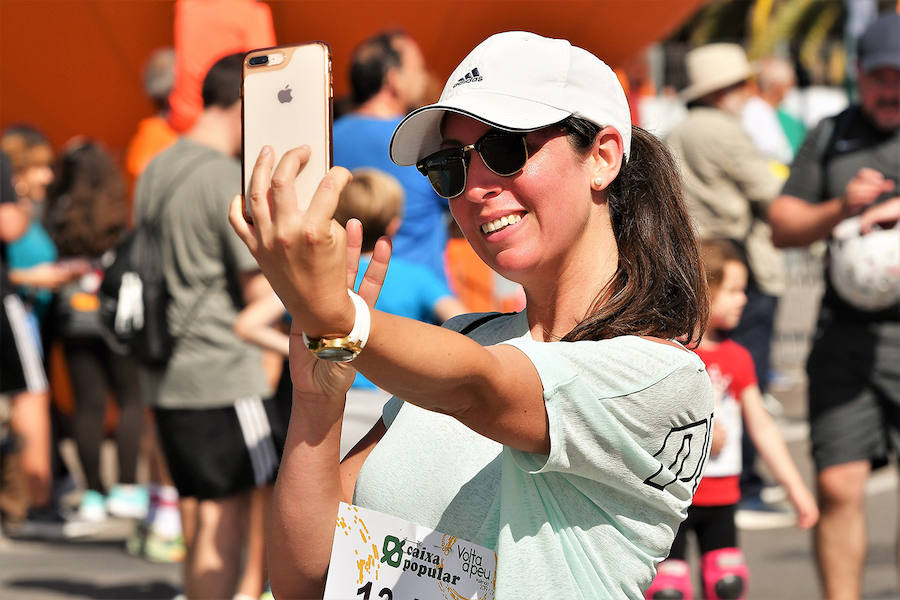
x=346 y=348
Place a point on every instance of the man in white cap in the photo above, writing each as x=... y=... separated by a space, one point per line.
x=729 y=186
x=847 y=174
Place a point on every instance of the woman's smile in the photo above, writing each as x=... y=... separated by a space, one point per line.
x=500 y=224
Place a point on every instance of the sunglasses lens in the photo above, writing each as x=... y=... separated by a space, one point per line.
x=504 y=154
x=446 y=170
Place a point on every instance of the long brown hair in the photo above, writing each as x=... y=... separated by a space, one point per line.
x=659 y=288
x=87 y=212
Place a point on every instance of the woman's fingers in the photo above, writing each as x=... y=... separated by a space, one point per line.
x=284 y=195
x=302 y=253
x=372 y=282
x=354 y=249
x=240 y=225
x=258 y=195
x=325 y=200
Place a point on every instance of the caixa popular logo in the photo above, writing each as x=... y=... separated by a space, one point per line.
x=682 y=456
x=418 y=560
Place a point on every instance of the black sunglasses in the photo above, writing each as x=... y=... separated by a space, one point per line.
x=502 y=152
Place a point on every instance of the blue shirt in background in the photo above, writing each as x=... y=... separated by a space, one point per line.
x=410 y=290
x=34 y=248
x=361 y=141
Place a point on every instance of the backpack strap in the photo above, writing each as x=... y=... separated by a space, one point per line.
x=177 y=181
x=185 y=323
x=832 y=130
x=478 y=322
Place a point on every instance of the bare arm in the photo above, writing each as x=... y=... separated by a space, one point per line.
x=13 y=221
x=254 y=286
x=771 y=447
x=310 y=483
x=48 y=275
x=493 y=390
x=307 y=492
x=14 y=224
x=796 y=222
x=255 y=324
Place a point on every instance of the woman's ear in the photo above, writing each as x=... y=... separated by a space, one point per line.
x=606 y=158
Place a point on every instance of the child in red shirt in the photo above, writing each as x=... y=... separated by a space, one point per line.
x=711 y=516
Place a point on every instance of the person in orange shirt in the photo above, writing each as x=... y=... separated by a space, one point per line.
x=154 y=134
x=205 y=31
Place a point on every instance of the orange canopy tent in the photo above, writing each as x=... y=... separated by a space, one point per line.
x=72 y=67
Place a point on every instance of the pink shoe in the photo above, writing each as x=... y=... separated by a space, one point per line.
x=672 y=582
x=725 y=574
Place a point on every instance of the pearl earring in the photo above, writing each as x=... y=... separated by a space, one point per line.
x=598 y=182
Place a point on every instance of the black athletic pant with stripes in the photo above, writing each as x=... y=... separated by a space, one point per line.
x=95 y=371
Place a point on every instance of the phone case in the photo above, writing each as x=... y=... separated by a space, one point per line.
x=287 y=102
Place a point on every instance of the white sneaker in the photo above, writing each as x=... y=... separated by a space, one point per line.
x=93 y=507
x=773 y=494
x=754 y=513
x=128 y=501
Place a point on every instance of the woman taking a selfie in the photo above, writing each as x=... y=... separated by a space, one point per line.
x=569 y=437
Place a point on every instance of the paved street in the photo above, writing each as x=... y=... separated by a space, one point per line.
x=92 y=569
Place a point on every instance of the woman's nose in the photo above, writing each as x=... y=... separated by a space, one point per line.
x=481 y=182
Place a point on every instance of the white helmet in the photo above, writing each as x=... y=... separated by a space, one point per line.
x=865 y=269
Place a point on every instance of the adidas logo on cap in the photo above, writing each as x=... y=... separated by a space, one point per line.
x=470 y=77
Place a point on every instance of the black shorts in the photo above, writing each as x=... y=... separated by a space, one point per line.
x=219 y=452
x=714 y=527
x=854 y=392
x=20 y=354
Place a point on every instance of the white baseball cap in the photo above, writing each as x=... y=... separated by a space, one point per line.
x=518 y=81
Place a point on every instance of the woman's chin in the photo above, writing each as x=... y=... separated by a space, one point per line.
x=509 y=263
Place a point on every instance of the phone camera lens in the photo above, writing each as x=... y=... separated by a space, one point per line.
x=258 y=60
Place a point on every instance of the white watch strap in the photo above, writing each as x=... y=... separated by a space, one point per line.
x=362 y=322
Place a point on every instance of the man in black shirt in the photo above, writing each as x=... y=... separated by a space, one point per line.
x=849 y=166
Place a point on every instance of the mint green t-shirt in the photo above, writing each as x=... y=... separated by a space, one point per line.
x=630 y=426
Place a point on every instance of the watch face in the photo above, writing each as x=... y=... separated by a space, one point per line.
x=335 y=354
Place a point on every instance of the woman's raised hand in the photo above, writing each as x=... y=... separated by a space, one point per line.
x=303 y=253
x=310 y=261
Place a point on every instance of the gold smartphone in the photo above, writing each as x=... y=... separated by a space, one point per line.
x=287 y=102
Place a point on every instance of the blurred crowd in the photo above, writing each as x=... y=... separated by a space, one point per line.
x=758 y=173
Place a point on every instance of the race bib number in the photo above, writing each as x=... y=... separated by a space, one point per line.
x=380 y=557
